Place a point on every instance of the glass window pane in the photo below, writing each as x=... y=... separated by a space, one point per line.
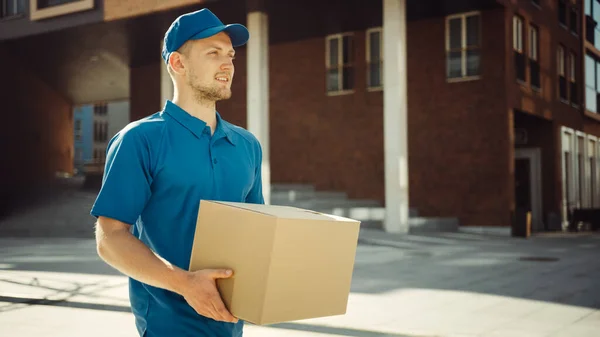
x=375 y=74
x=333 y=52
x=534 y=43
x=473 y=28
x=348 y=78
x=588 y=7
x=590 y=99
x=375 y=46
x=590 y=74
x=455 y=33
x=473 y=62
x=333 y=79
x=454 y=64
x=596 y=13
x=347 y=49
x=597 y=76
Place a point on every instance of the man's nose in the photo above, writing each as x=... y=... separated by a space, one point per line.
x=227 y=64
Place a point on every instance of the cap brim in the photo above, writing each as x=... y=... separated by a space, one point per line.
x=238 y=33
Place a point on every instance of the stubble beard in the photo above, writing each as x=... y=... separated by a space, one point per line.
x=204 y=94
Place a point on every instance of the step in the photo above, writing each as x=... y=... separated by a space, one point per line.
x=291 y=187
x=433 y=224
x=292 y=195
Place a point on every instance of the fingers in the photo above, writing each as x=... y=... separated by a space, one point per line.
x=222 y=313
x=220 y=273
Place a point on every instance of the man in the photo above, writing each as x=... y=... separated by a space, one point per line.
x=157 y=171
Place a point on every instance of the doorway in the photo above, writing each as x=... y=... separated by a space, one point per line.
x=528 y=184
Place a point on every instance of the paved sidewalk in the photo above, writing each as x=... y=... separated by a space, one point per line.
x=443 y=285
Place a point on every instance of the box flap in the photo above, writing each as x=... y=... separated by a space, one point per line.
x=287 y=212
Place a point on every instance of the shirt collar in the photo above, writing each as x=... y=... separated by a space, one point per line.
x=196 y=125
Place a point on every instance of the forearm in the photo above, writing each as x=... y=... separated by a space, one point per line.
x=130 y=256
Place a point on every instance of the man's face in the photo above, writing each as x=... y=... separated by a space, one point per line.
x=209 y=67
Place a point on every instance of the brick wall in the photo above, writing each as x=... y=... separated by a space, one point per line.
x=458 y=132
x=144 y=87
x=458 y=140
x=37 y=135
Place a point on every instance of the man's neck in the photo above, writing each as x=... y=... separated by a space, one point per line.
x=205 y=111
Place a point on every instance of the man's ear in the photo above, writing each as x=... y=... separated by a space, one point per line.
x=177 y=62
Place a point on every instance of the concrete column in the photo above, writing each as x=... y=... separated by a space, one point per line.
x=166 y=85
x=394 y=116
x=257 y=55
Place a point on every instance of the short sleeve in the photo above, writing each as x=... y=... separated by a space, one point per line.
x=255 y=196
x=127 y=177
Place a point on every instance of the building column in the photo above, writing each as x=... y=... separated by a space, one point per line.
x=257 y=54
x=395 y=117
x=166 y=85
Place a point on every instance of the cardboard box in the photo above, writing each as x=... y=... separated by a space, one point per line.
x=289 y=263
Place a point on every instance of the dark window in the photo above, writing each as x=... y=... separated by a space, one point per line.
x=574 y=21
x=50 y=3
x=562 y=79
x=562 y=12
x=518 y=48
x=375 y=74
x=463 y=45
x=573 y=88
x=534 y=61
x=340 y=63
x=9 y=8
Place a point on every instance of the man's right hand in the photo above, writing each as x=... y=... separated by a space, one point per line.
x=202 y=294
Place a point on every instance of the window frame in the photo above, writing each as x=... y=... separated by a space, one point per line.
x=340 y=38
x=534 y=54
x=36 y=13
x=16 y=15
x=561 y=60
x=368 y=57
x=464 y=48
x=572 y=78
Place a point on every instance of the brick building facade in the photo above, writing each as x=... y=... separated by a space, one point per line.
x=490 y=98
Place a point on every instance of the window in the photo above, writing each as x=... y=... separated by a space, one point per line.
x=518 y=47
x=562 y=80
x=43 y=9
x=592 y=18
x=77 y=128
x=574 y=20
x=562 y=12
x=340 y=59
x=10 y=8
x=463 y=44
x=592 y=174
x=374 y=58
x=572 y=79
x=592 y=87
x=100 y=131
x=100 y=109
x=534 y=62
x=50 y=3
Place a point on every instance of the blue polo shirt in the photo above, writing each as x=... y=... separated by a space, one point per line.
x=157 y=171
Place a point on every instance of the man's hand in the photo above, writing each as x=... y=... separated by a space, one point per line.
x=202 y=294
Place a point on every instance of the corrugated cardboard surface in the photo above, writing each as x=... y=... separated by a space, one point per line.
x=288 y=263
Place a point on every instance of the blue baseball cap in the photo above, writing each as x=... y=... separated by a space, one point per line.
x=199 y=25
